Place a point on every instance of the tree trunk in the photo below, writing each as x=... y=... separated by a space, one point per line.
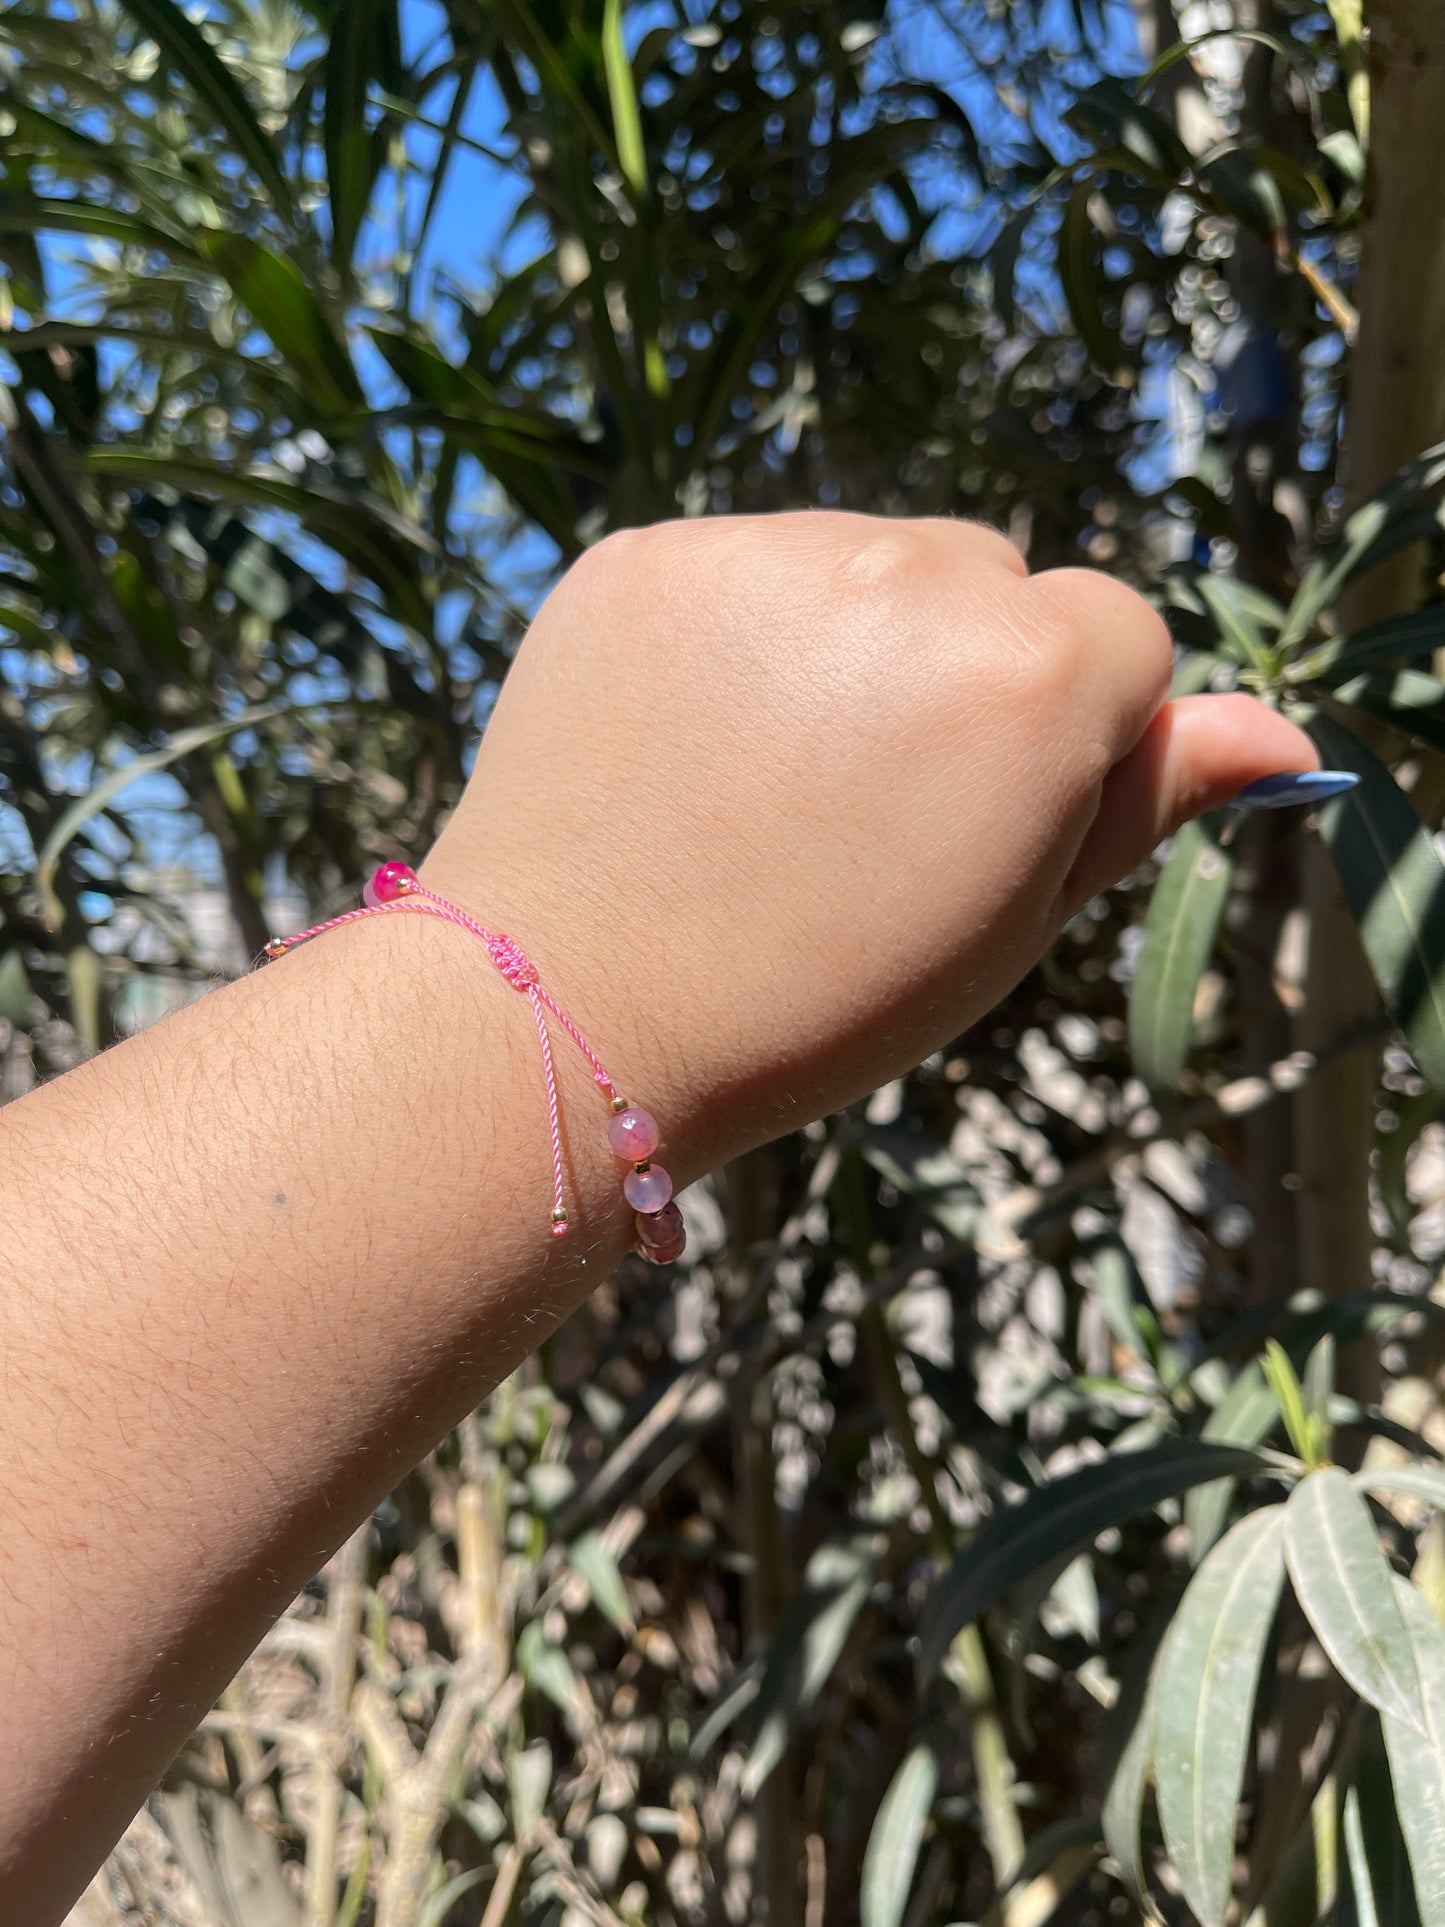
x=1395 y=407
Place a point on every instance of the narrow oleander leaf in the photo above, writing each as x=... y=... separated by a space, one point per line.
x=1112 y=117
x=362 y=49
x=1406 y=699
x=590 y=1559
x=547 y=1669
x=1369 y=535
x=622 y=99
x=1207 y=1679
x=807 y=1646
x=892 y=1852
x=1179 y=933
x=273 y=290
x=1417 y=1759
x=1394 y=881
x=1418 y=632
x=101 y=794
x=1381 y=1892
x=1243 y=183
x=1345 y=1588
x=1417 y=1481
x=1246 y=1415
x=1061 y=1518
x=1237 y=617
x=1085 y=289
x=187 y=52
x=1123 y=1809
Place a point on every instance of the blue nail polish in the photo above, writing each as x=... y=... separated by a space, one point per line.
x=1286 y=791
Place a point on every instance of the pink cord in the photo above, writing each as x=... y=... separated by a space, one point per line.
x=633 y=1133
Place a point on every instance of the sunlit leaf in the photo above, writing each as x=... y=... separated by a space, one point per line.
x=590 y=1559
x=1417 y=1758
x=892 y=1852
x=1207 y=1679
x=1344 y=1585
x=186 y=50
x=1059 y=1518
x=1394 y=881
x=807 y=1646
x=1179 y=932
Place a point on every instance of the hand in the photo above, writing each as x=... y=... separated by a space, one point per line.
x=778 y=804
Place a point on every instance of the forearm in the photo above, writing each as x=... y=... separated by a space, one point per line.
x=257 y=1260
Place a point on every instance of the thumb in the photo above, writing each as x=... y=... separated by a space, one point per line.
x=1196 y=754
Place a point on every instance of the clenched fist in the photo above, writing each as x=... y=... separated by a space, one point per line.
x=780 y=803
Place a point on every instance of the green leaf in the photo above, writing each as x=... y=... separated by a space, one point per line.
x=1240 y=182
x=1394 y=881
x=1284 y=1383
x=1344 y=1587
x=1378 y=1861
x=546 y=1668
x=1059 y=1519
x=1419 y=1481
x=1108 y=114
x=590 y=1560
x=1366 y=538
x=529 y=1781
x=1124 y=1802
x=1419 y=632
x=1206 y=1690
x=272 y=290
x=1084 y=288
x=187 y=52
x=104 y=792
x=1179 y=932
x=1237 y=613
x=1410 y=701
x=1417 y=1760
x=362 y=49
x=622 y=98
x=892 y=1852
x=1246 y=1415
x=807 y=1647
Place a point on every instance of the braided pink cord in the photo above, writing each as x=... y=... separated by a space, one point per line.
x=511 y=962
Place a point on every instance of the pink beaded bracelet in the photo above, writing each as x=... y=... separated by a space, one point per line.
x=632 y=1132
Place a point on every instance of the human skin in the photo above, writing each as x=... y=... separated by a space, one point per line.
x=777 y=805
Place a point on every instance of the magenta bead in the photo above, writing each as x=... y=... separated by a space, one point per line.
x=633 y=1134
x=660 y=1227
x=647 y=1190
x=389 y=883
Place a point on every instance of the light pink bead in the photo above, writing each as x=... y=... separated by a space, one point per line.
x=633 y=1134
x=660 y=1227
x=647 y=1190
x=387 y=884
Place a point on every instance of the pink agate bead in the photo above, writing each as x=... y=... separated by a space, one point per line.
x=633 y=1134
x=391 y=881
x=663 y=1254
x=660 y=1227
x=647 y=1190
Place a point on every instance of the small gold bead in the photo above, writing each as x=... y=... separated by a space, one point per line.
x=645 y=1165
x=405 y=886
x=559 y=1216
x=619 y=1103
x=276 y=947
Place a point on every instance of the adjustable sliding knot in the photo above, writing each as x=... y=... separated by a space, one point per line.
x=632 y=1132
x=512 y=960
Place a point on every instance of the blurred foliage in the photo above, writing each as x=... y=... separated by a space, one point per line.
x=963 y=1538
